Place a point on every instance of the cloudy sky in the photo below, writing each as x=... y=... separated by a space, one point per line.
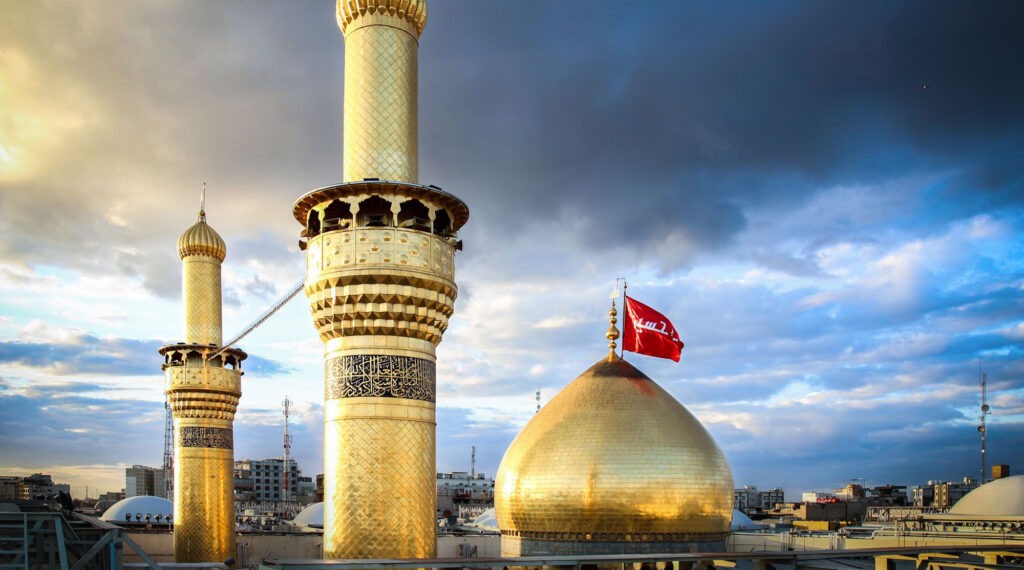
x=825 y=197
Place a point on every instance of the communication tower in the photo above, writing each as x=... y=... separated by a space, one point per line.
x=286 y=489
x=168 y=450
x=983 y=428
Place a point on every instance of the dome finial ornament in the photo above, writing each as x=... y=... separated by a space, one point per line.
x=202 y=204
x=613 y=333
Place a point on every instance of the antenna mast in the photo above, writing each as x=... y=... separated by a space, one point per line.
x=983 y=428
x=168 y=450
x=472 y=463
x=286 y=489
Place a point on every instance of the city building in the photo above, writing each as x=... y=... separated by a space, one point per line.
x=10 y=488
x=895 y=495
x=750 y=500
x=263 y=480
x=460 y=490
x=140 y=481
x=38 y=486
x=941 y=495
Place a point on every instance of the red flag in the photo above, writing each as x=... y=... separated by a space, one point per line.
x=648 y=332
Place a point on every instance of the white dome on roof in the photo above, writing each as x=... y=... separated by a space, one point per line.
x=741 y=521
x=1002 y=497
x=311 y=516
x=142 y=505
x=486 y=520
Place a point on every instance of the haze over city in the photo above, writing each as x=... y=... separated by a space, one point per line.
x=825 y=198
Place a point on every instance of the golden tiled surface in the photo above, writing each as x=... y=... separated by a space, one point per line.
x=200 y=282
x=379 y=478
x=613 y=457
x=380 y=114
x=381 y=297
x=392 y=248
x=204 y=510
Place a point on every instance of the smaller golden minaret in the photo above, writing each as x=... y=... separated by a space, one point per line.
x=203 y=386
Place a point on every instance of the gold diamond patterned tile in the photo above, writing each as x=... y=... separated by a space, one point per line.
x=380 y=488
x=380 y=105
x=201 y=287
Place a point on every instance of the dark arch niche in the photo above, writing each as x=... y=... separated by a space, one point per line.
x=442 y=223
x=375 y=212
x=414 y=215
x=313 y=224
x=337 y=215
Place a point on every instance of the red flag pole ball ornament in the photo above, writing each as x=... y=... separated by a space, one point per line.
x=649 y=332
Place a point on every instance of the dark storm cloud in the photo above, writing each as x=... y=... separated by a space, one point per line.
x=88 y=354
x=681 y=116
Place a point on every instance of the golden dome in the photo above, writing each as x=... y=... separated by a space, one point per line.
x=613 y=458
x=201 y=239
x=413 y=11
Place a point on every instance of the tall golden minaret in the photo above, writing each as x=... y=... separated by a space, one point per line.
x=203 y=390
x=381 y=286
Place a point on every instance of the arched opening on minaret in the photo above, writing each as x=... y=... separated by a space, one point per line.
x=442 y=223
x=313 y=224
x=374 y=212
x=337 y=216
x=414 y=215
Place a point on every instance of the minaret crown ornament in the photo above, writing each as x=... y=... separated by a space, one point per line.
x=201 y=239
x=412 y=11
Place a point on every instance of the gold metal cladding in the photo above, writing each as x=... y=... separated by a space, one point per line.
x=201 y=239
x=354 y=192
x=413 y=12
x=200 y=283
x=379 y=479
x=204 y=521
x=401 y=310
x=379 y=344
x=614 y=457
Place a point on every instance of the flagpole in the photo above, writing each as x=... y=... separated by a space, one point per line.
x=625 y=315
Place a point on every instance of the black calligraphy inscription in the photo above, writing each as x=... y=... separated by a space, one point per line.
x=371 y=375
x=196 y=436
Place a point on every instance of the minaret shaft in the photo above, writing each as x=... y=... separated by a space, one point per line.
x=200 y=282
x=381 y=286
x=380 y=109
x=203 y=391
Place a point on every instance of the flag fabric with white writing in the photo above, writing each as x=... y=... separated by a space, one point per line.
x=647 y=331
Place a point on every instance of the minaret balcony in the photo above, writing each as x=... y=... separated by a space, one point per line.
x=380 y=248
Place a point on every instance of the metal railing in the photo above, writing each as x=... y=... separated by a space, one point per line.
x=961 y=557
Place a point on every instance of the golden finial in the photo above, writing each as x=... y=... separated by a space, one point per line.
x=613 y=333
x=202 y=204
